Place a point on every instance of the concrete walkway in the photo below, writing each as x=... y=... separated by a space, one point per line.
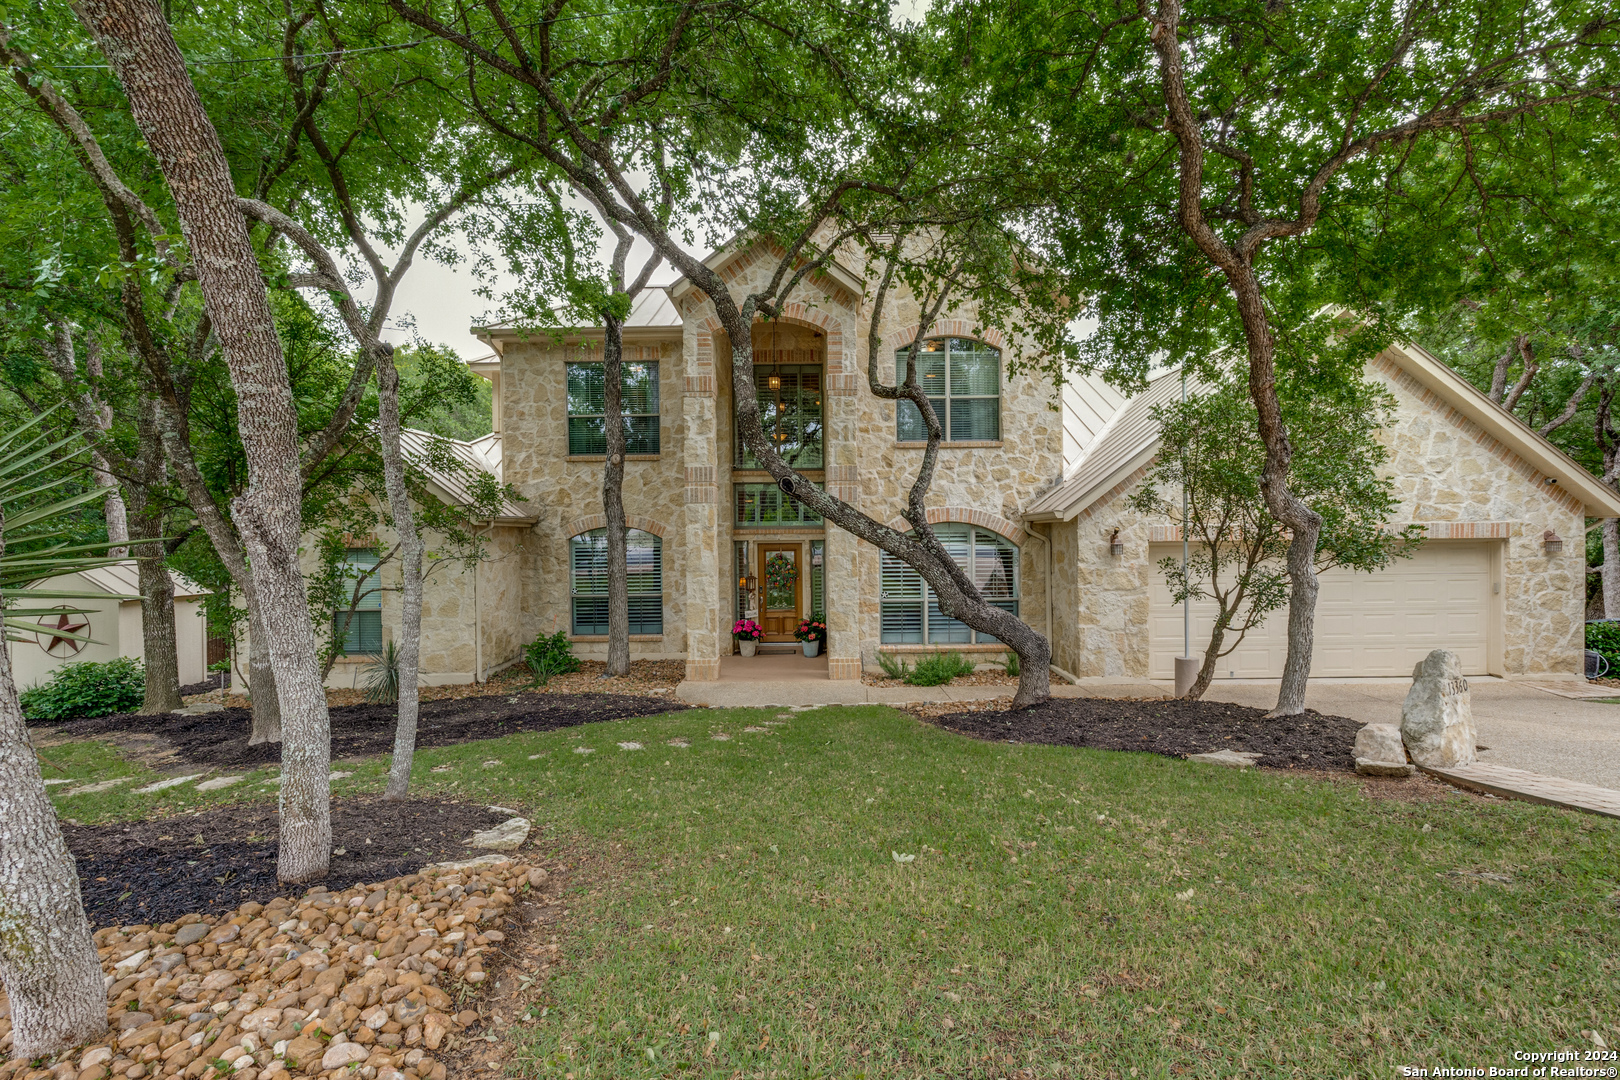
x=1539 y=727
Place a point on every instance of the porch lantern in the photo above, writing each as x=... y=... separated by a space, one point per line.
x=1551 y=542
x=774 y=382
x=1116 y=546
x=748 y=583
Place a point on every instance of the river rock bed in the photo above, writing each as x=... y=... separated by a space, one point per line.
x=371 y=983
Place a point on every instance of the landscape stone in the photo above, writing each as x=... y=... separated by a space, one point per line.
x=220 y=782
x=1380 y=751
x=164 y=785
x=197 y=708
x=191 y=933
x=1232 y=759
x=507 y=836
x=1437 y=718
x=343 y=1054
x=91 y=789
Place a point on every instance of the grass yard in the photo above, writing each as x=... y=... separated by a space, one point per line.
x=852 y=894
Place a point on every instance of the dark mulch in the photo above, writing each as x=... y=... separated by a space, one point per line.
x=213 y=682
x=1173 y=728
x=220 y=739
x=211 y=862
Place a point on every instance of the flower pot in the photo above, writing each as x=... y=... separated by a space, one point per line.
x=746 y=646
x=812 y=648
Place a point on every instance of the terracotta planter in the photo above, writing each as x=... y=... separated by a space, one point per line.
x=746 y=646
x=812 y=648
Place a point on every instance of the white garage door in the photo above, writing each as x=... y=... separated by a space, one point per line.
x=1366 y=624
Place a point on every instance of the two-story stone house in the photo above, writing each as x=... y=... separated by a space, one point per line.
x=1030 y=493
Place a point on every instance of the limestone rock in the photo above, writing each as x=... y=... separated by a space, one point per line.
x=1437 y=719
x=1233 y=759
x=220 y=782
x=507 y=836
x=343 y=1054
x=197 y=708
x=164 y=785
x=1381 y=752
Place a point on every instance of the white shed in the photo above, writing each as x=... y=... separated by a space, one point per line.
x=114 y=623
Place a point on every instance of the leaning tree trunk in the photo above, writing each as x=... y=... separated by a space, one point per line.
x=160 y=653
x=410 y=549
x=1212 y=656
x=618 y=655
x=48 y=962
x=142 y=53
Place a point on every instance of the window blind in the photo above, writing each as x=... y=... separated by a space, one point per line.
x=909 y=613
x=644 y=578
x=962 y=380
x=587 y=407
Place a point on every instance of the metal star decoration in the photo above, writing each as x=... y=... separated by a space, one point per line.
x=65 y=623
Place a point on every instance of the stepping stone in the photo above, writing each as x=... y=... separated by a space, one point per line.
x=339 y=775
x=583 y=750
x=468 y=864
x=720 y=736
x=164 y=785
x=629 y=746
x=48 y=783
x=682 y=743
x=507 y=836
x=91 y=789
x=219 y=782
x=198 y=708
x=756 y=731
x=493 y=763
x=1232 y=759
x=443 y=768
x=502 y=810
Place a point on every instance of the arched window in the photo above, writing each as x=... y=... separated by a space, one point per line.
x=962 y=379
x=588 y=581
x=911 y=615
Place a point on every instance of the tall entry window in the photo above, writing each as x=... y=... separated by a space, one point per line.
x=587 y=408
x=790 y=412
x=911 y=615
x=962 y=381
x=588 y=581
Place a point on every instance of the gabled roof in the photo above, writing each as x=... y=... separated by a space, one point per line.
x=739 y=245
x=1128 y=442
x=1132 y=438
x=480 y=455
x=123 y=579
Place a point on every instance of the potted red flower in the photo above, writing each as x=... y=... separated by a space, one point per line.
x=747 y=633
x=812 y=630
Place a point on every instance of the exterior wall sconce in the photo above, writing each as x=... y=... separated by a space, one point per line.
x=1116 y=546
x=748 y=583
x=1551 y=542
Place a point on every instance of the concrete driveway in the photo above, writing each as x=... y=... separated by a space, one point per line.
x=1525 y=727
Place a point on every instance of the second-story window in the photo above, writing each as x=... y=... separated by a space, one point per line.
x=790 y=413
x=587 y=408
x=962 y=379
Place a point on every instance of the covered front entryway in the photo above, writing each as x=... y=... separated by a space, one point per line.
x=1366 y=624
x=781 y=584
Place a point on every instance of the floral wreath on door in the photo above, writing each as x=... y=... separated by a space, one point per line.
x=781 y=571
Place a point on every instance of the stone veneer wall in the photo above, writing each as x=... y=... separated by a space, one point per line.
x=565 y=493
x=864 y=464
x=1450 y=475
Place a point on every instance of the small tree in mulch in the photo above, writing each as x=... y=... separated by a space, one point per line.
x=1211 y=450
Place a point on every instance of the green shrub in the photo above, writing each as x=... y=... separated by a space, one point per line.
x=382 y=677
x=1010 y=665
x=86 y=689
x=939 y=669
x=1604 y=637
x=548 y=656
x=893 y=666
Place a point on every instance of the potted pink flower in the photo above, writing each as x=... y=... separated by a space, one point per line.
x=812 y=630
x=747 y=633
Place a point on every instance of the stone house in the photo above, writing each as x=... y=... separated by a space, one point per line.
x=1029 y=493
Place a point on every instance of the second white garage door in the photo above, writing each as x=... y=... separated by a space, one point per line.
x=1366 y=624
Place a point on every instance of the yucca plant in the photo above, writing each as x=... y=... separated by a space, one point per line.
x=382 y=676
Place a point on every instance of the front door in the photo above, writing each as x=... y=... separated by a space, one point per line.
x=781 y=575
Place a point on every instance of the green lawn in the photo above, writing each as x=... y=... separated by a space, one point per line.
x=1066 y=912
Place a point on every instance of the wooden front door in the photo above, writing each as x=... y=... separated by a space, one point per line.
x=779 y=602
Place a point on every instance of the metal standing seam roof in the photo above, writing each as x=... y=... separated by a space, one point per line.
x=652 y=309
x=1133 y=433
x=481 y=455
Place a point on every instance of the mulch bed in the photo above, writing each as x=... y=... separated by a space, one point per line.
x=220 y=739
x=211 y=862
x=1174 y=728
